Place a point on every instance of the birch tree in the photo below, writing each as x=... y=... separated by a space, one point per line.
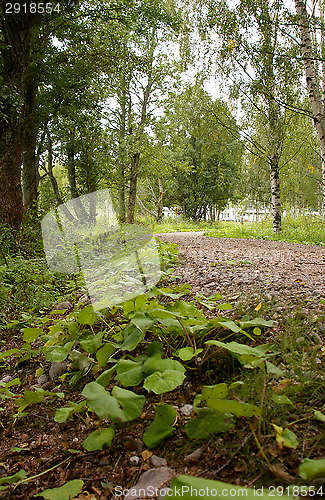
x=261 y=73
x=314 y=77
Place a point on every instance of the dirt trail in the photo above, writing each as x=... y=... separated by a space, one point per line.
x=271 y=269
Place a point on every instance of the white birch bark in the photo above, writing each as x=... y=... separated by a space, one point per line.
x=313 y=87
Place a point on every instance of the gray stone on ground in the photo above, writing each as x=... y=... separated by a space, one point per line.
x=57 y=369
x=150 y=483
x=62 y=305
x=158 y=461
x=186 y=410
x=193 y=458
x=42 y=379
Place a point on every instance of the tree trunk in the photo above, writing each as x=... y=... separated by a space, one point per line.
x=133 y=187
x=54 y=182
x=78 y=206
x=160 y=201
x=30 y=175
x=313 y=87
x=121 y=201
x=275 y=196
x=11 y=198
x=15 y=50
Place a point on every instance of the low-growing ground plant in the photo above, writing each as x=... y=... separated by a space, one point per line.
x=309 y=230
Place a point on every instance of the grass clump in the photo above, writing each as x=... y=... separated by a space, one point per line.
x=30 y=284
x=308 y=230
x=183 y=225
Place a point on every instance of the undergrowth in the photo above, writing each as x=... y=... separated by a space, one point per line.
x=308 y=230
x=108 y=364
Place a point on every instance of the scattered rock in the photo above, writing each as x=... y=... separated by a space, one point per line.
x=42 y=379
x=48 y=386
x=57 y=369
x=158 y=461
x=5 y=379
x=146 y=454
x=150 y=483
x=103 y=462
x=186 y=410
x=62 y=305
x=193 y=458
x=132 y=444
x=84 y=299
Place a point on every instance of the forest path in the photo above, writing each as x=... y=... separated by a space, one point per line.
x=270 y=270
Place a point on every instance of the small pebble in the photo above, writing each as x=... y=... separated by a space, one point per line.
x=42 y=379
x=158 y=461
x=62 y=305
x=186 y=410
x=134 y=460
x=132 y=444
x=57 y=369
x=194 y=457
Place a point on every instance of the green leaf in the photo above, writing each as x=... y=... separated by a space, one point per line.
x=133 y=336
x=213 y=489
x=155 y=348
x=162 y=426
x=12 y=479
x=285 y=437
x=235 y=407
x=31 y=334
x=281 y=399
x=105 y=377
x=168 y=292
x=209 y=422
x=155 y=363
x=100 y=401
x=129 y=373
x=86 y=316
x=99 y=439
x=65 y=492
x=7 y=354
x=241 y=349
x=33 y=397
x=289 y=439
x=122 y=405
x=256 y=322
x=218 y=391
x=57 y=353
x=187 y=353
x=131 y=403
x=224 y=307
x=63 y=414
x=271 y=368
x=104 y=353
x=230 y=325
x=92 y=343
x=161 y=382
x=311 y=468
x=80 y=361
x=141 y=321
x=320 y=416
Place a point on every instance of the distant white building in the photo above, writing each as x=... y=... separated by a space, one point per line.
x=250 y=213
x=172 y=213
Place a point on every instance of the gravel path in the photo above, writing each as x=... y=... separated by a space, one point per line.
x=268 y=269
